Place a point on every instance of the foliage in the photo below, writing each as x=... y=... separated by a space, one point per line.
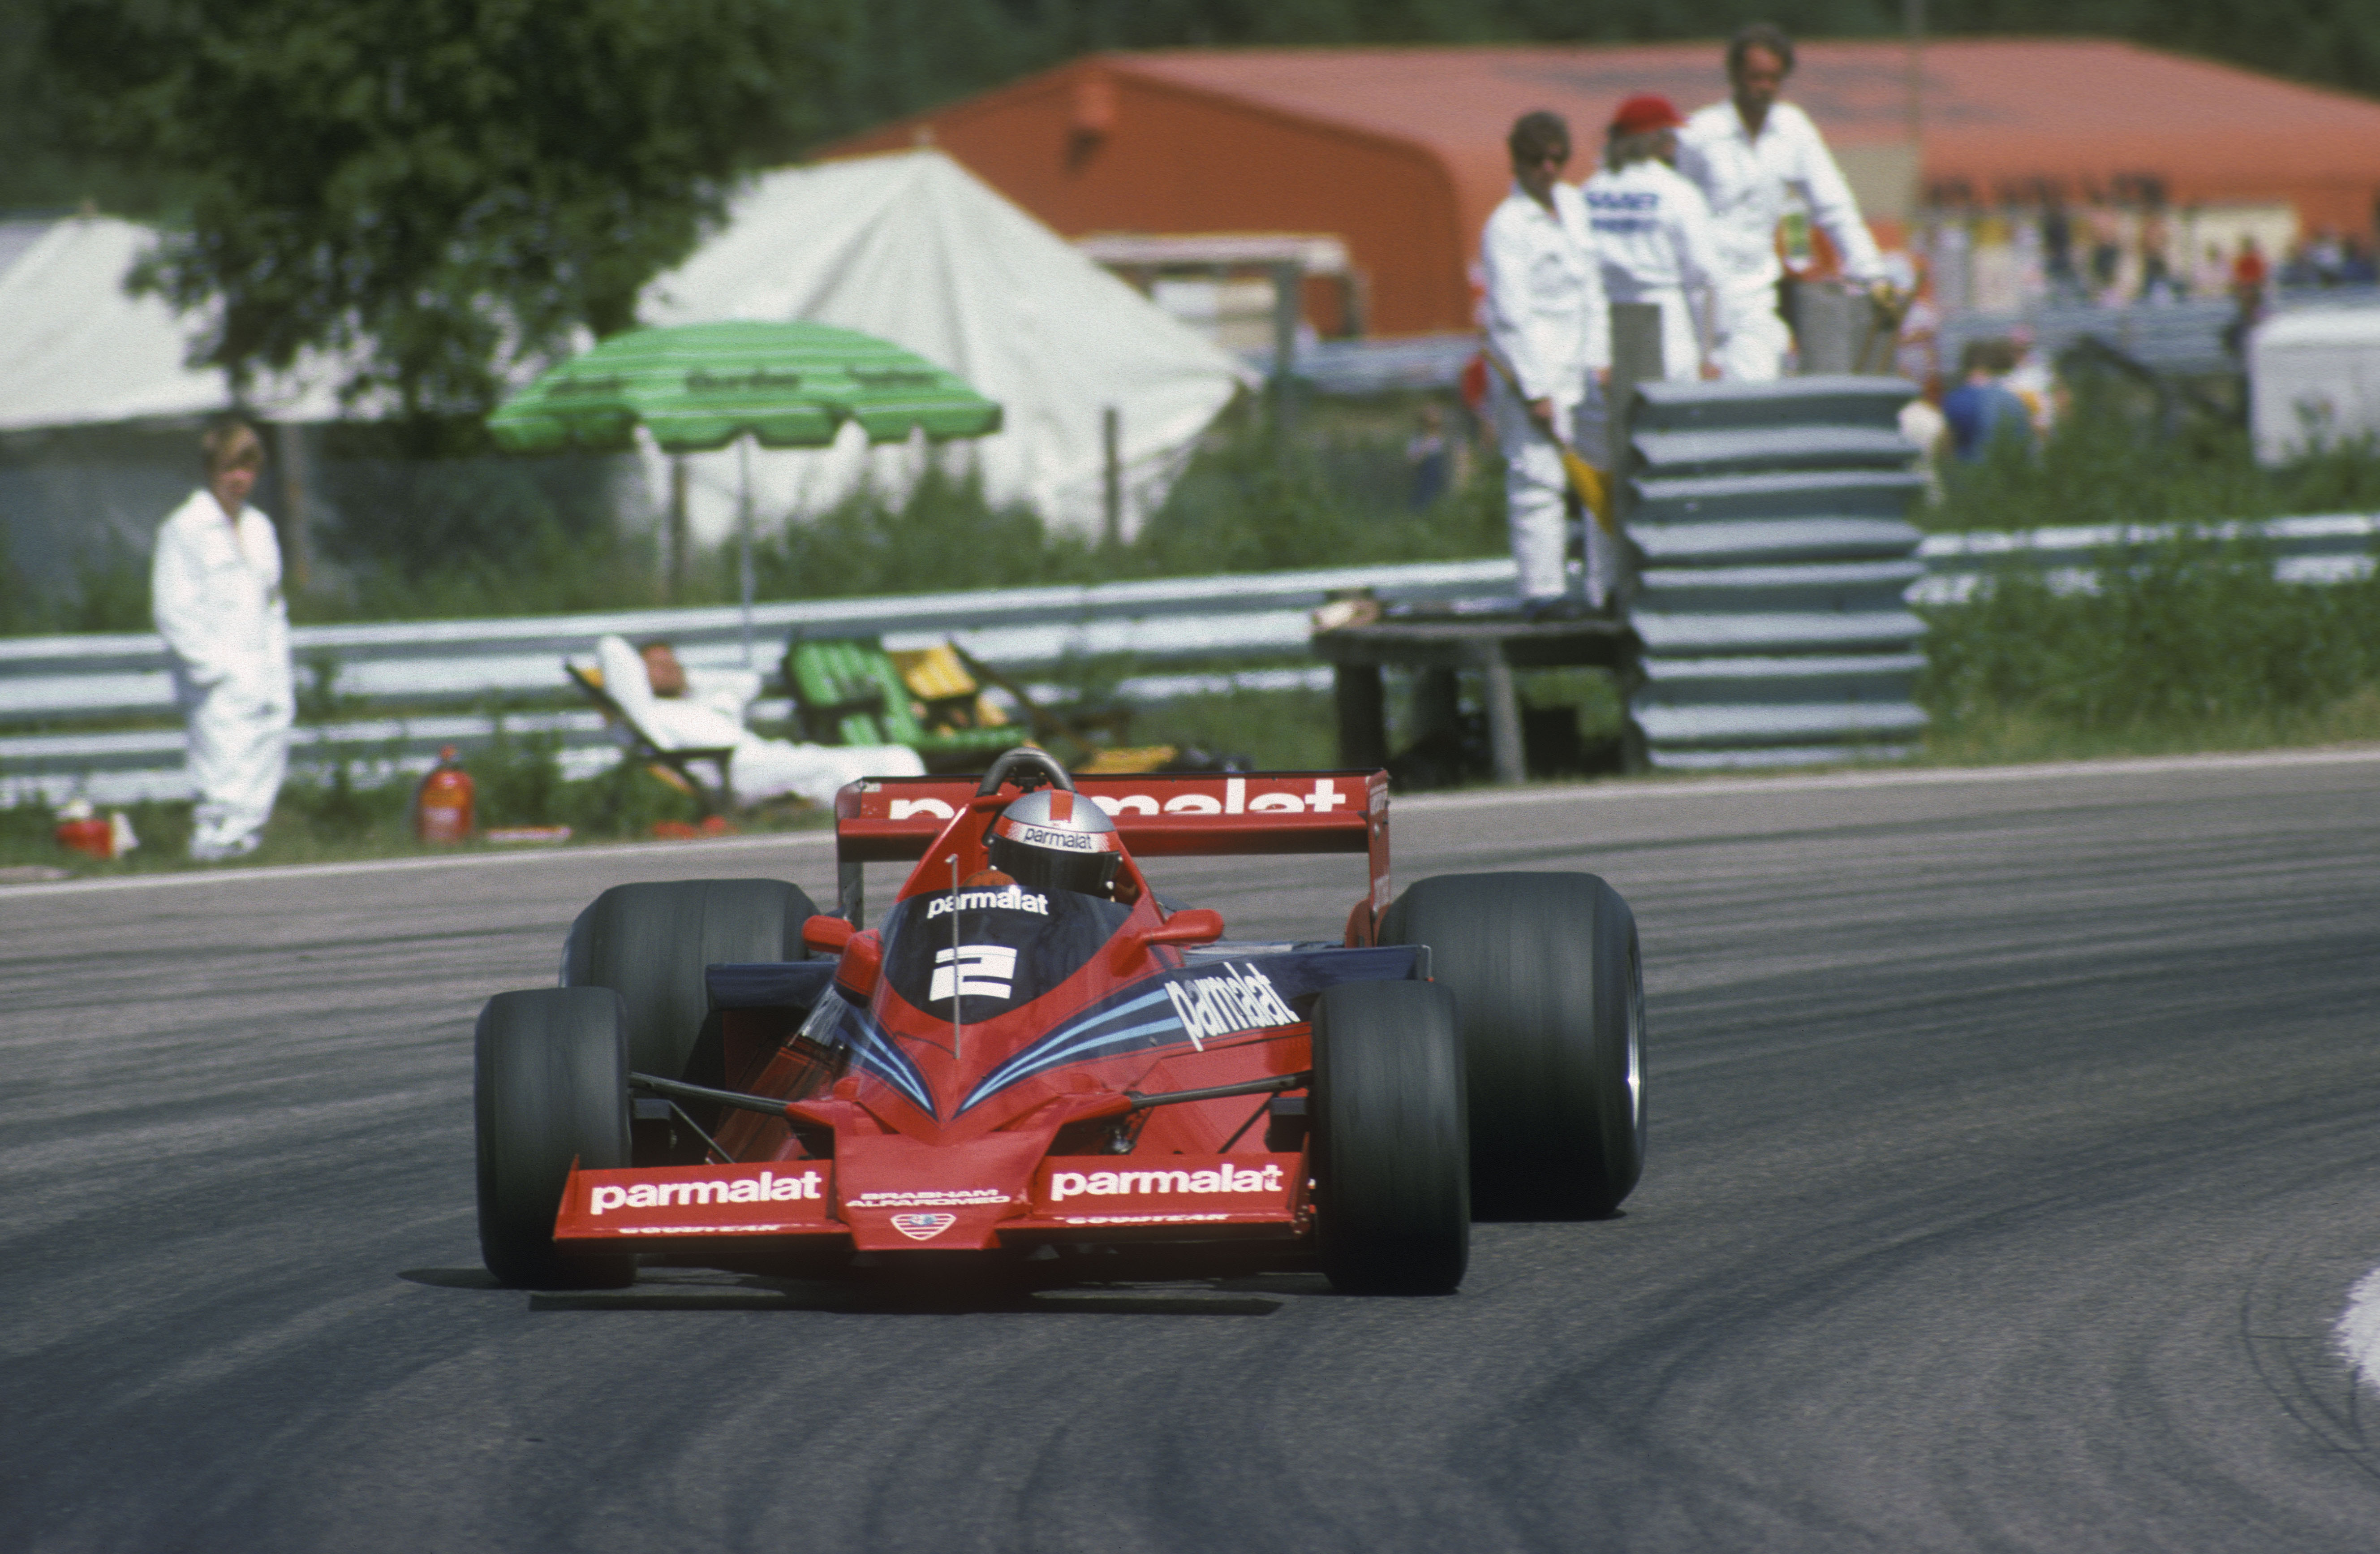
x=440 y=186
x=110 y=592
x=2106 y=462
x=864 y=61
x=2192 y=631
x=471 y=532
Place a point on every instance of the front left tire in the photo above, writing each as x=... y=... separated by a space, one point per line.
x=550 y=1090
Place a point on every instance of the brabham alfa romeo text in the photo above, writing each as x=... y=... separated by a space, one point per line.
x=768 y=1187
x=1223 y=1179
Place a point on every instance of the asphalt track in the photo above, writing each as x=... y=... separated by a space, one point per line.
x=2017 y=1139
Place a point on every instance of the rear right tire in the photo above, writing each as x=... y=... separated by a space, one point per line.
x=550 y=1091
x=1390 y=1161
x=1551 y=988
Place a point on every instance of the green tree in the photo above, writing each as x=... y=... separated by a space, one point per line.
x=440 y=187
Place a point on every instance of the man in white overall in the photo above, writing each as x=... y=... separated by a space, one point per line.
x=1746 y=155
x=1653 y=234
x=214 y=586
x=1548 y=330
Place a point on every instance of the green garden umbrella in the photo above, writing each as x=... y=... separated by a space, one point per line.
x=700 y=386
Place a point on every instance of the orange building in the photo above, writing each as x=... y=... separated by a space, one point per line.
x=1399 y=151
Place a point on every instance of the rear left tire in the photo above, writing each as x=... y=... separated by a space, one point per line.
x=650 y=942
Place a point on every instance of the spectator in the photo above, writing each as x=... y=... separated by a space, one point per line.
x=2057 y=253
x=215 y=593
x=2106 y=253
x=2156 y=272
x=1653 y=235
x=2248 y=276
x=693 y=709
x=1548 y=329
x=2298 y=269
x=1922 y=423
x=2355 y=266
x=1428 y=459
x=2213 y=276
x=1981 y=410
x=1747 y=155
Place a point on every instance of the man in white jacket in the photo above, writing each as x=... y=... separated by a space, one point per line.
x=214 y=587
x=1748 y=156
x=1548 y=328
x=1653 y=234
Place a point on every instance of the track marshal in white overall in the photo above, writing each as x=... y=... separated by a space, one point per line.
x=1548 y=328
x=214 y=587
x=1653 y=234
x=1745 y=155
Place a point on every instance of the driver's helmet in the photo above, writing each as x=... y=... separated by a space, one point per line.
x=1051 y=839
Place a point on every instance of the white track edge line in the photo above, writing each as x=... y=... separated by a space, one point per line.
x=1680 y=788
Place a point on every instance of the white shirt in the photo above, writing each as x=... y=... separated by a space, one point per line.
x=1745 y=181
x=1652 y=231
x=215 y=593
x=1546 y=316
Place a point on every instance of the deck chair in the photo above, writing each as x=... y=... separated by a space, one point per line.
x=672 y=764
x=849 y=691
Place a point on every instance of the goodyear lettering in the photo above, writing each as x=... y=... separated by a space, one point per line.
x=1218 y=1004
x=1015 y=898
x=1105 y=1184
x=768 y=1187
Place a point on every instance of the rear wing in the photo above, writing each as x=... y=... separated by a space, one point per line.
x=893 y=820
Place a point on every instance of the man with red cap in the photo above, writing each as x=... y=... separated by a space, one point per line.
x=1749 y=157
x=1652 y=232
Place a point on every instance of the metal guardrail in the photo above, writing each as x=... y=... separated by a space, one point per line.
x=2321 y=548
x=1764 y=625
x=437 y=672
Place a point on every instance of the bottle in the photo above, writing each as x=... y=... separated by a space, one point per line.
x=81 y=830
x=442 y=805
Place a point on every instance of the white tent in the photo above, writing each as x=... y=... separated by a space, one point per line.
x=912 y=248
x=76 y=350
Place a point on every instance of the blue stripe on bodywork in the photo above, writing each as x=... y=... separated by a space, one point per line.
x=1299 y=974
x=872 y=1049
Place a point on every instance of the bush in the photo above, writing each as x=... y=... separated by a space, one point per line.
x=2186 y=632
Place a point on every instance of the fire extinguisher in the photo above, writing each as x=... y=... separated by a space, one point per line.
x=442 y=805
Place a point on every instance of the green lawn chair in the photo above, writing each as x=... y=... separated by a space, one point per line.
x=848 y=691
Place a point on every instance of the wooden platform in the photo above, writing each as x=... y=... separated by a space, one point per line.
x=1449 y=643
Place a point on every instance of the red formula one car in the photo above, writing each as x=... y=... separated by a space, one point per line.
x=1039 y=1050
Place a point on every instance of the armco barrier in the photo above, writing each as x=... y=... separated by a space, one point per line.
x=2330 y=547
x=438 y=670
x=1772 y=519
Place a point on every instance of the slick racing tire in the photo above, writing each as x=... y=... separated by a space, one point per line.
x=1391 y=1175
x=650 y=943
x=550 y=1087
x=1551 y=988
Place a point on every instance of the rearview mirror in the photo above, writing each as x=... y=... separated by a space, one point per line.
x=827 y=933
x=1192 y=925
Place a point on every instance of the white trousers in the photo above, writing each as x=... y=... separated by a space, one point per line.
x=765 y=768
x=239 y=751
x=1757 y=339
x=1534 y=486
